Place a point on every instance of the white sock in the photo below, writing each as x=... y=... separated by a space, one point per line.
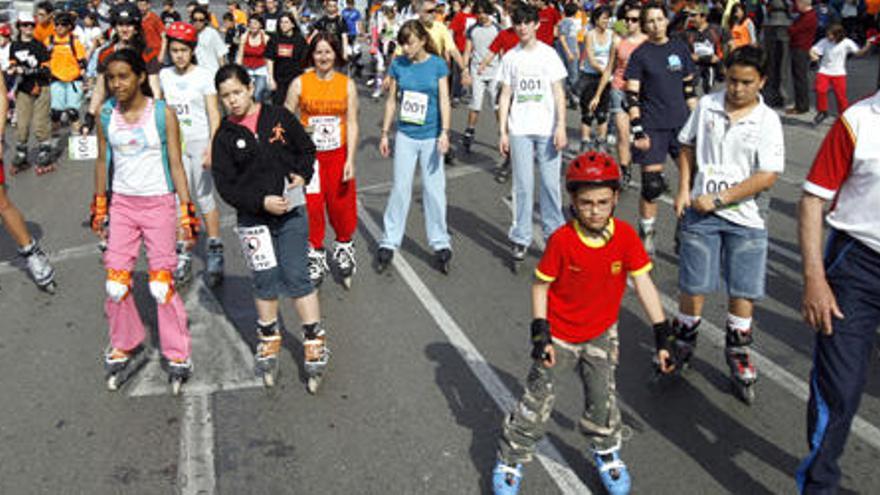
x=739 y=323
x=688 y=320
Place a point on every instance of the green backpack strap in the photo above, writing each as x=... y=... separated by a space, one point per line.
x=162 y=129
x=106 y=113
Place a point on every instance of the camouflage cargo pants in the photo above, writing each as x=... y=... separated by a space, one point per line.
x=595 y=361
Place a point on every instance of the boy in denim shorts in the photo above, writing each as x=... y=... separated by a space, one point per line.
x=733 y=148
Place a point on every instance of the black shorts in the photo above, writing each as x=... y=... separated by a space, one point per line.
x=663 y=142
x=589 y=83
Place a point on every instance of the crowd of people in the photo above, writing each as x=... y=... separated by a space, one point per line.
x=261 y=107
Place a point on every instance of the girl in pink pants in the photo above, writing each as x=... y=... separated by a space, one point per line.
x=139 y=163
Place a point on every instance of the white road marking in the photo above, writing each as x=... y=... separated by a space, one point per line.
x=562 y=474
x=866 y=431
x=221 y=362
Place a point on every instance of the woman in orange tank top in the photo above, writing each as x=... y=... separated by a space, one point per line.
x=326 y=102
x=742 y=30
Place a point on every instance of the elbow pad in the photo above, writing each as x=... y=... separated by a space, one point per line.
x=688 y=89
x=631 y=100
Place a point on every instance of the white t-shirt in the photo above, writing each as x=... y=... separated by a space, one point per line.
x=89 y=35
x=530 y=74
x=729 y=154
x=833 y=62
x=138 y=168
x=4 y=56
x=209 y=49
x=186 y=93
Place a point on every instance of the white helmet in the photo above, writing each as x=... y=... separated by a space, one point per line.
x=26 y=17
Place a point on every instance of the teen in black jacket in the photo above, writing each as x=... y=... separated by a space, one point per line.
x=262 y=159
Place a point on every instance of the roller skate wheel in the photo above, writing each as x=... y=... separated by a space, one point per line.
x=313 y=384
x=746 y=393
x=50 y=287
x=113 y=383
x=175 y=386
x=346 y=282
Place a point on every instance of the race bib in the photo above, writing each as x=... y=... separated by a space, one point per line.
x=256 y=244
x=530 y=88
x=717 y=178
x=183 y=111
x=414 y=107
x=314 y=185
x=271 y=25
x=81 y=148
x=326 y=132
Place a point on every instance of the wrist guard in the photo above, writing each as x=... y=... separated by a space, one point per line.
x=540 y=330
x=189 y=222
x=688 y=87
x=98 y=213
x=638 y=131
x=664 y=337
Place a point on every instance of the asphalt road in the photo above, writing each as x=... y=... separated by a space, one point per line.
x=424 y=365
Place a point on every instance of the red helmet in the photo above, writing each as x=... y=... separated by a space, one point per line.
x=592 y=168
x=5 y=30
x=183 y=32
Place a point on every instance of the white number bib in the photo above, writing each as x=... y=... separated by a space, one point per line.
x=703 y=48
x=530 y=88
x=326 y=132
x=717 y=178
x=82 y=148
x=182 y=109
x=414 y=107
x=256 y=244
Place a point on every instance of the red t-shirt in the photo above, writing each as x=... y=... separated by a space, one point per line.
x=548 y=17
x=153 y=28
x=588 y=277
x=459 y=26
x=504 y=41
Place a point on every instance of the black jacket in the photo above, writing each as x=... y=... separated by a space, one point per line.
x=248 y=168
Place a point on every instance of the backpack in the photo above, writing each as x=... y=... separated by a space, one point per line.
x=159 y=114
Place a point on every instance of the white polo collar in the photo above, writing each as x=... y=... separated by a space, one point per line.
x=715 y=103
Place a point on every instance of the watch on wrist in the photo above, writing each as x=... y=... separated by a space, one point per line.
x=717 y=201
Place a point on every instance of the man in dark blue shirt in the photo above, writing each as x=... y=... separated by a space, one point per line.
x=659 y=96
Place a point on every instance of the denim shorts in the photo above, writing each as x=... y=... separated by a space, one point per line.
x=282 y=267
x=663 y=142
x=712 y=247
x=615 y=101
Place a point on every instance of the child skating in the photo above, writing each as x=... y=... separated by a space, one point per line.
x=579 y=285
x=262 y=158
x=137 y=173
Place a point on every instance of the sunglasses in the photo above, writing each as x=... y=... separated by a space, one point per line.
x=25 y=24
x=429 y=11
x=632 y=19
x=198 y=19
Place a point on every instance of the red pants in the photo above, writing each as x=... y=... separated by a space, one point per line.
x=339 y=197
x=838 y=84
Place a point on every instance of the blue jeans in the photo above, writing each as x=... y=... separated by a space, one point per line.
x=524 y=152
x=841 y=361
x=261 y=87
x=66 y=95
x=408 y=153
x=711 y=246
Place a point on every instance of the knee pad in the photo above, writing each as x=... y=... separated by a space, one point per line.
x=56 y=115
x=72 y=115
x=161 y=285
x=118 y=284
x=653 y=185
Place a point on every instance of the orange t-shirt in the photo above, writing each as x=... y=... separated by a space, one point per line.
x=239 y=17
x=64 y=57
x=323 y=106
x=153 y=29
x=43 y=31
x=872 y=7
x=740 y=34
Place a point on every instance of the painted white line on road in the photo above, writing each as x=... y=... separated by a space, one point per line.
x=564 y=477
x=195 y=468
x=869 y=433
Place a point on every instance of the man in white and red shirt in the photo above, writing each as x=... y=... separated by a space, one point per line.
x=842 y=291
x=593 y=254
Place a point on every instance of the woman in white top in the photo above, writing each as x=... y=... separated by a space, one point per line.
x=831 y=53
x=190 y=91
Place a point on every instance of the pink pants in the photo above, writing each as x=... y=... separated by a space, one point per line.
x=152 y=219
x=838 y=85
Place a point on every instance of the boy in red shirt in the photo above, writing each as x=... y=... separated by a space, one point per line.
x=576 y=298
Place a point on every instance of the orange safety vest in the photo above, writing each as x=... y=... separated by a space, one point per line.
x=323 y=108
